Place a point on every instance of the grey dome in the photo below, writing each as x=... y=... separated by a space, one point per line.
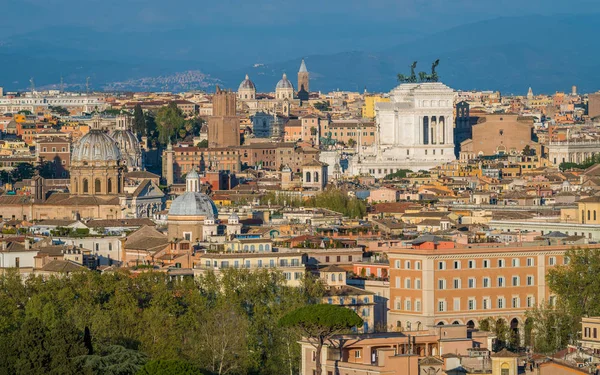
x=284 y=83
x=194 y=204
x=129 y=146
x=96 y=146
x=247 y=84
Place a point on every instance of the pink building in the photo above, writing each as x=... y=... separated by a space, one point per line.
x=383 y=195
x=393 y=353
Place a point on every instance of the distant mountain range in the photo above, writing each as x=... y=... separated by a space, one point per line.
x=508 y=54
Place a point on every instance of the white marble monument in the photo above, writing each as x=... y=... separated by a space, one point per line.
x=415 y=130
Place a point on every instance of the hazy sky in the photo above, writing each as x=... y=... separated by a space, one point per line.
x=167 y=14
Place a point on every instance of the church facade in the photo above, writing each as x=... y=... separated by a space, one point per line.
x=415 y=131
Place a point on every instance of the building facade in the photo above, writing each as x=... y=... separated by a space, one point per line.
x=57 y=152
x=468 y=285
x=223 y=125
x=415 y=130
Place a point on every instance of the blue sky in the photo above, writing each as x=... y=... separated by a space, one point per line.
x=116 y=15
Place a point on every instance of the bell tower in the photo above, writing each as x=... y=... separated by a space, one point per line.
x=303 y=78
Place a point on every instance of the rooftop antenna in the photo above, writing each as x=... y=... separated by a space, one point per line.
x=32 y=85
x=87 y=85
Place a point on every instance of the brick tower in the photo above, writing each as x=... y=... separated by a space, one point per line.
x=223 y=125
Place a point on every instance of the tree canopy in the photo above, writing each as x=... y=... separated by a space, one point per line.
x=402 y=173
x=320 y=323
x=115 y=323
x=169 y=367
x=575 y=285
x=339 y=201
x=169 y=120
x=322 y=319
x=322 y=106
x=139 y=120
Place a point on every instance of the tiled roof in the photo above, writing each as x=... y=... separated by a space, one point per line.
x=63 y=266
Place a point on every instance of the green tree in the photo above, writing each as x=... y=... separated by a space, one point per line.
x=500 y=329
x=45 y=169
x=351 y=142
x=139 y=120
x=169 y=367
x=222 y=338
x=203 y=143
x=402 y=173
x=59 y=110
x=552 y=327
x=319 y=323
x=576 y=284
x=337 y=200
x=33 y=358
x=322 y=106
x=169 y=120
x=113 y=360
x=22 y=171
x=25 y=112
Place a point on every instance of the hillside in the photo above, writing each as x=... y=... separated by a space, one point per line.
x=509 y=54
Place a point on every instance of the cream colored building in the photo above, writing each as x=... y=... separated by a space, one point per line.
x=290 y=265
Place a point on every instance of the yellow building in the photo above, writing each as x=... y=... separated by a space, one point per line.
x=589 y=210
x=361 y=301
x=368 y=109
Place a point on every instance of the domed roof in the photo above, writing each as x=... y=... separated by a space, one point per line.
x=128 y=145
x=192 y=175
x=194 y=204
x=96 y=146
x=247 y=84
x=284 y=83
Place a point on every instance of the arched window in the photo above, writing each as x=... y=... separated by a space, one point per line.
x=245 y=247
x=76 y=186
x=340 y=277
x=109 y=186
x=267 y=247
x=97 y=188
x=307 y=177
x=85 y=185
x=316 y=177
x=260 y=247
x=588 y=214
x=252 y=248
x=333 y=277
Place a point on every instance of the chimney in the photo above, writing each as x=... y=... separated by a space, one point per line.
x=27 y=245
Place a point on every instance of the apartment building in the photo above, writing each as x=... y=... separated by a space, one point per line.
x=440 y=286
x=396 y=353
x=57 y=152
x=291 y=265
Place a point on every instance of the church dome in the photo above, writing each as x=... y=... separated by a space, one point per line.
x=96 y=146
x=284 y=83
x=129 y=146
x=247 y=84
x=194 y=204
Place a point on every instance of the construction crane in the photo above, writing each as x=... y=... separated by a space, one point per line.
x=32 y=85
x=87 y=85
